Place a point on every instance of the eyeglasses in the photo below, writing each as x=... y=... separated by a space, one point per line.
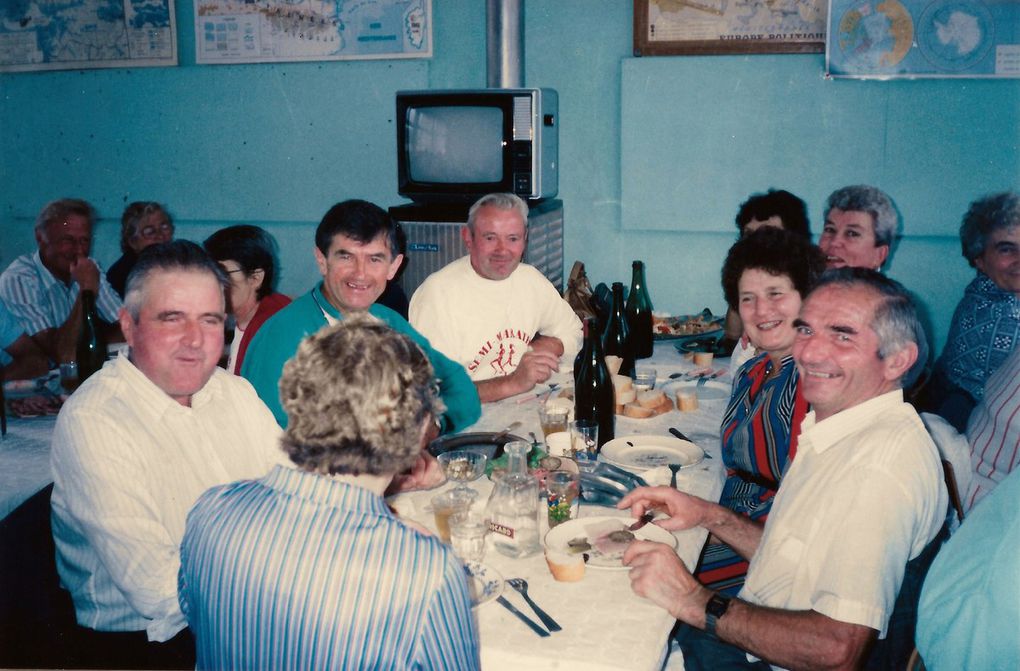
x=165 y=228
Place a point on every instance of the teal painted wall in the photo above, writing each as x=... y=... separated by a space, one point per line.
x=277 y=144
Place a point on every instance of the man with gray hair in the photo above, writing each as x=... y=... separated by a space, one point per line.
x=500 y=318
x=135 y=446
x=860 y=224
x=861 y=507
x=42 y=289
x=360 y=400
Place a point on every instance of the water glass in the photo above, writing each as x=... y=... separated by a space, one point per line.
x=644 y=379
x=553 y=418
x=562 y=489
x=584 y=434
x=447 y=504
x=467 y=535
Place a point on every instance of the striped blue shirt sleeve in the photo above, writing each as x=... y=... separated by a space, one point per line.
x=448 y=638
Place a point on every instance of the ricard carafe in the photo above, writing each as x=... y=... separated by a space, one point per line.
x=513 y=505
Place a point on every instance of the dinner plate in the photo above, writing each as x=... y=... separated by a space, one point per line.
x=559 y=537
x=642 y=452
x=484 y=583
x=711 y=390
x=709 y=343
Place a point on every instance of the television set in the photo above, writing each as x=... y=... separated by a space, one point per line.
x=458 y=145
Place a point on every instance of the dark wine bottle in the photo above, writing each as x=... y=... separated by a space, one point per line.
x=91 y=350
x=639 y=313
x=594 y=399
x=616 y=339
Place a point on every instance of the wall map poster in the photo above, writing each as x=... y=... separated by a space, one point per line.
x=923 y=38
x=85 y=34
x=255 y=31
x=664 y=27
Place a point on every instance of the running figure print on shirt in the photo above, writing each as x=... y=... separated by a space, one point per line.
x=502 y=353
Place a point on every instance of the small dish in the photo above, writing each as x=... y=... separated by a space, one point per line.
x=484 y=583
x=708 y=391
x=641 y=452
x=562 y=538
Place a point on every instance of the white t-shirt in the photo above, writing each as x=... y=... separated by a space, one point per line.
x=487 y=325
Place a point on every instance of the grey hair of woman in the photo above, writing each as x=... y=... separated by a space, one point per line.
x=864 y=198
x=895 y=320
x=134 y=214
x=985 y=216
x=358 y=396
x=500 y=201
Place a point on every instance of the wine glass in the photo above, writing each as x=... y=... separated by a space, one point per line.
x=462 y=466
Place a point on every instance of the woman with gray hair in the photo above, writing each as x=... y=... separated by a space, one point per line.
x=142 y=224
x=860 y=224
x=986 y=324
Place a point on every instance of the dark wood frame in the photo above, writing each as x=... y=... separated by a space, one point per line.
x=643 y=47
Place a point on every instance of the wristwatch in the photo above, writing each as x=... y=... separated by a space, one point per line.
x=715 y=609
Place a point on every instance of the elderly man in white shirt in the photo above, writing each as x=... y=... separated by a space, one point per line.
x=500 y=318
x=863 y=496
x=133 y=449
x=42 y=289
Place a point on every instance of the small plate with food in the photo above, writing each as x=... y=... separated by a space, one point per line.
x=641 y=452
x=687 y=327
x=484 y=583
x=603 y=539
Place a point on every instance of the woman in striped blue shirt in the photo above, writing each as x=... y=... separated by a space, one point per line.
x=307 y=568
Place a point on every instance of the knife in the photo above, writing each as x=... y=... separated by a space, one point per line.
x=641 y=521
x=523 y=618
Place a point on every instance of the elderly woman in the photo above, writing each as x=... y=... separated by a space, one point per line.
x=247 y=255
x=986 y=325
x=776 y=208
x=765 y=277
x=143 y=223
x=860 y=223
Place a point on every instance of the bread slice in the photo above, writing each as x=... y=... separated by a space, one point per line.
x=565 y=567
x=625 y=396
x=622 y=383
x=613 y=363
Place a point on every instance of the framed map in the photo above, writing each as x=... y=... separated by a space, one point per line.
x=923 y=38
x=698 y=27
x=267 y=31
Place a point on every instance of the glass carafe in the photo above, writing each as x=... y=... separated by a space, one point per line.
x=513 y=505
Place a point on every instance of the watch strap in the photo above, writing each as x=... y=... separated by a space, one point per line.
x=715 y=609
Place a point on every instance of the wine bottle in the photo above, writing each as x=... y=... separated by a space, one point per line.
x=639 y=313
x=594 y=399
x=91 y=350
x=616 y=339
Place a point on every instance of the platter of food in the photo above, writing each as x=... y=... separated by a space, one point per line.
x=641 y=453
x=603 y=540
x=687 y=327
x=484 y=583
x=712 y=344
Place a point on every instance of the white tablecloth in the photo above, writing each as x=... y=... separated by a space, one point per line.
x=605 y=625
x=24 y=460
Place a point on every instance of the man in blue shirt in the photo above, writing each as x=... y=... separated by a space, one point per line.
x=306 y=567
x=354 y=251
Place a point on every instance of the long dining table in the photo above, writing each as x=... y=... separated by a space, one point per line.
x=605 y=625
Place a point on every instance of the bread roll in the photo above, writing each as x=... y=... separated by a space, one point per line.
x=651 y=399
x=637 y=411
x=565 y=567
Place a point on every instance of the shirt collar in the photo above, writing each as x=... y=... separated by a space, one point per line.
x=830 y=431
x=155 y=399
x=48 y=278
x=325 y=491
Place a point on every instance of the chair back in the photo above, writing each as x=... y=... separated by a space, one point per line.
x=955 y=453
x=892 y=652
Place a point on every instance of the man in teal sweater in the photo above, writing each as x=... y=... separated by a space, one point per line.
x=354 y=251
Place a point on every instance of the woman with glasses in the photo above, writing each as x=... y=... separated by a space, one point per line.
x=247 y=255
x=143 y=223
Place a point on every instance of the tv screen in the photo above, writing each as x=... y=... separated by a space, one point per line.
x=450 y=145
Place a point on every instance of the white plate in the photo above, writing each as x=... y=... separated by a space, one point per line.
x=640 y=453
x=484 y=583
x=710 y=391
x=559 y=537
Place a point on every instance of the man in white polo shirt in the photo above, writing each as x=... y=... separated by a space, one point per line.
x=862 y=498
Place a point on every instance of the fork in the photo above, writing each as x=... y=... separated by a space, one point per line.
x=521 y=585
